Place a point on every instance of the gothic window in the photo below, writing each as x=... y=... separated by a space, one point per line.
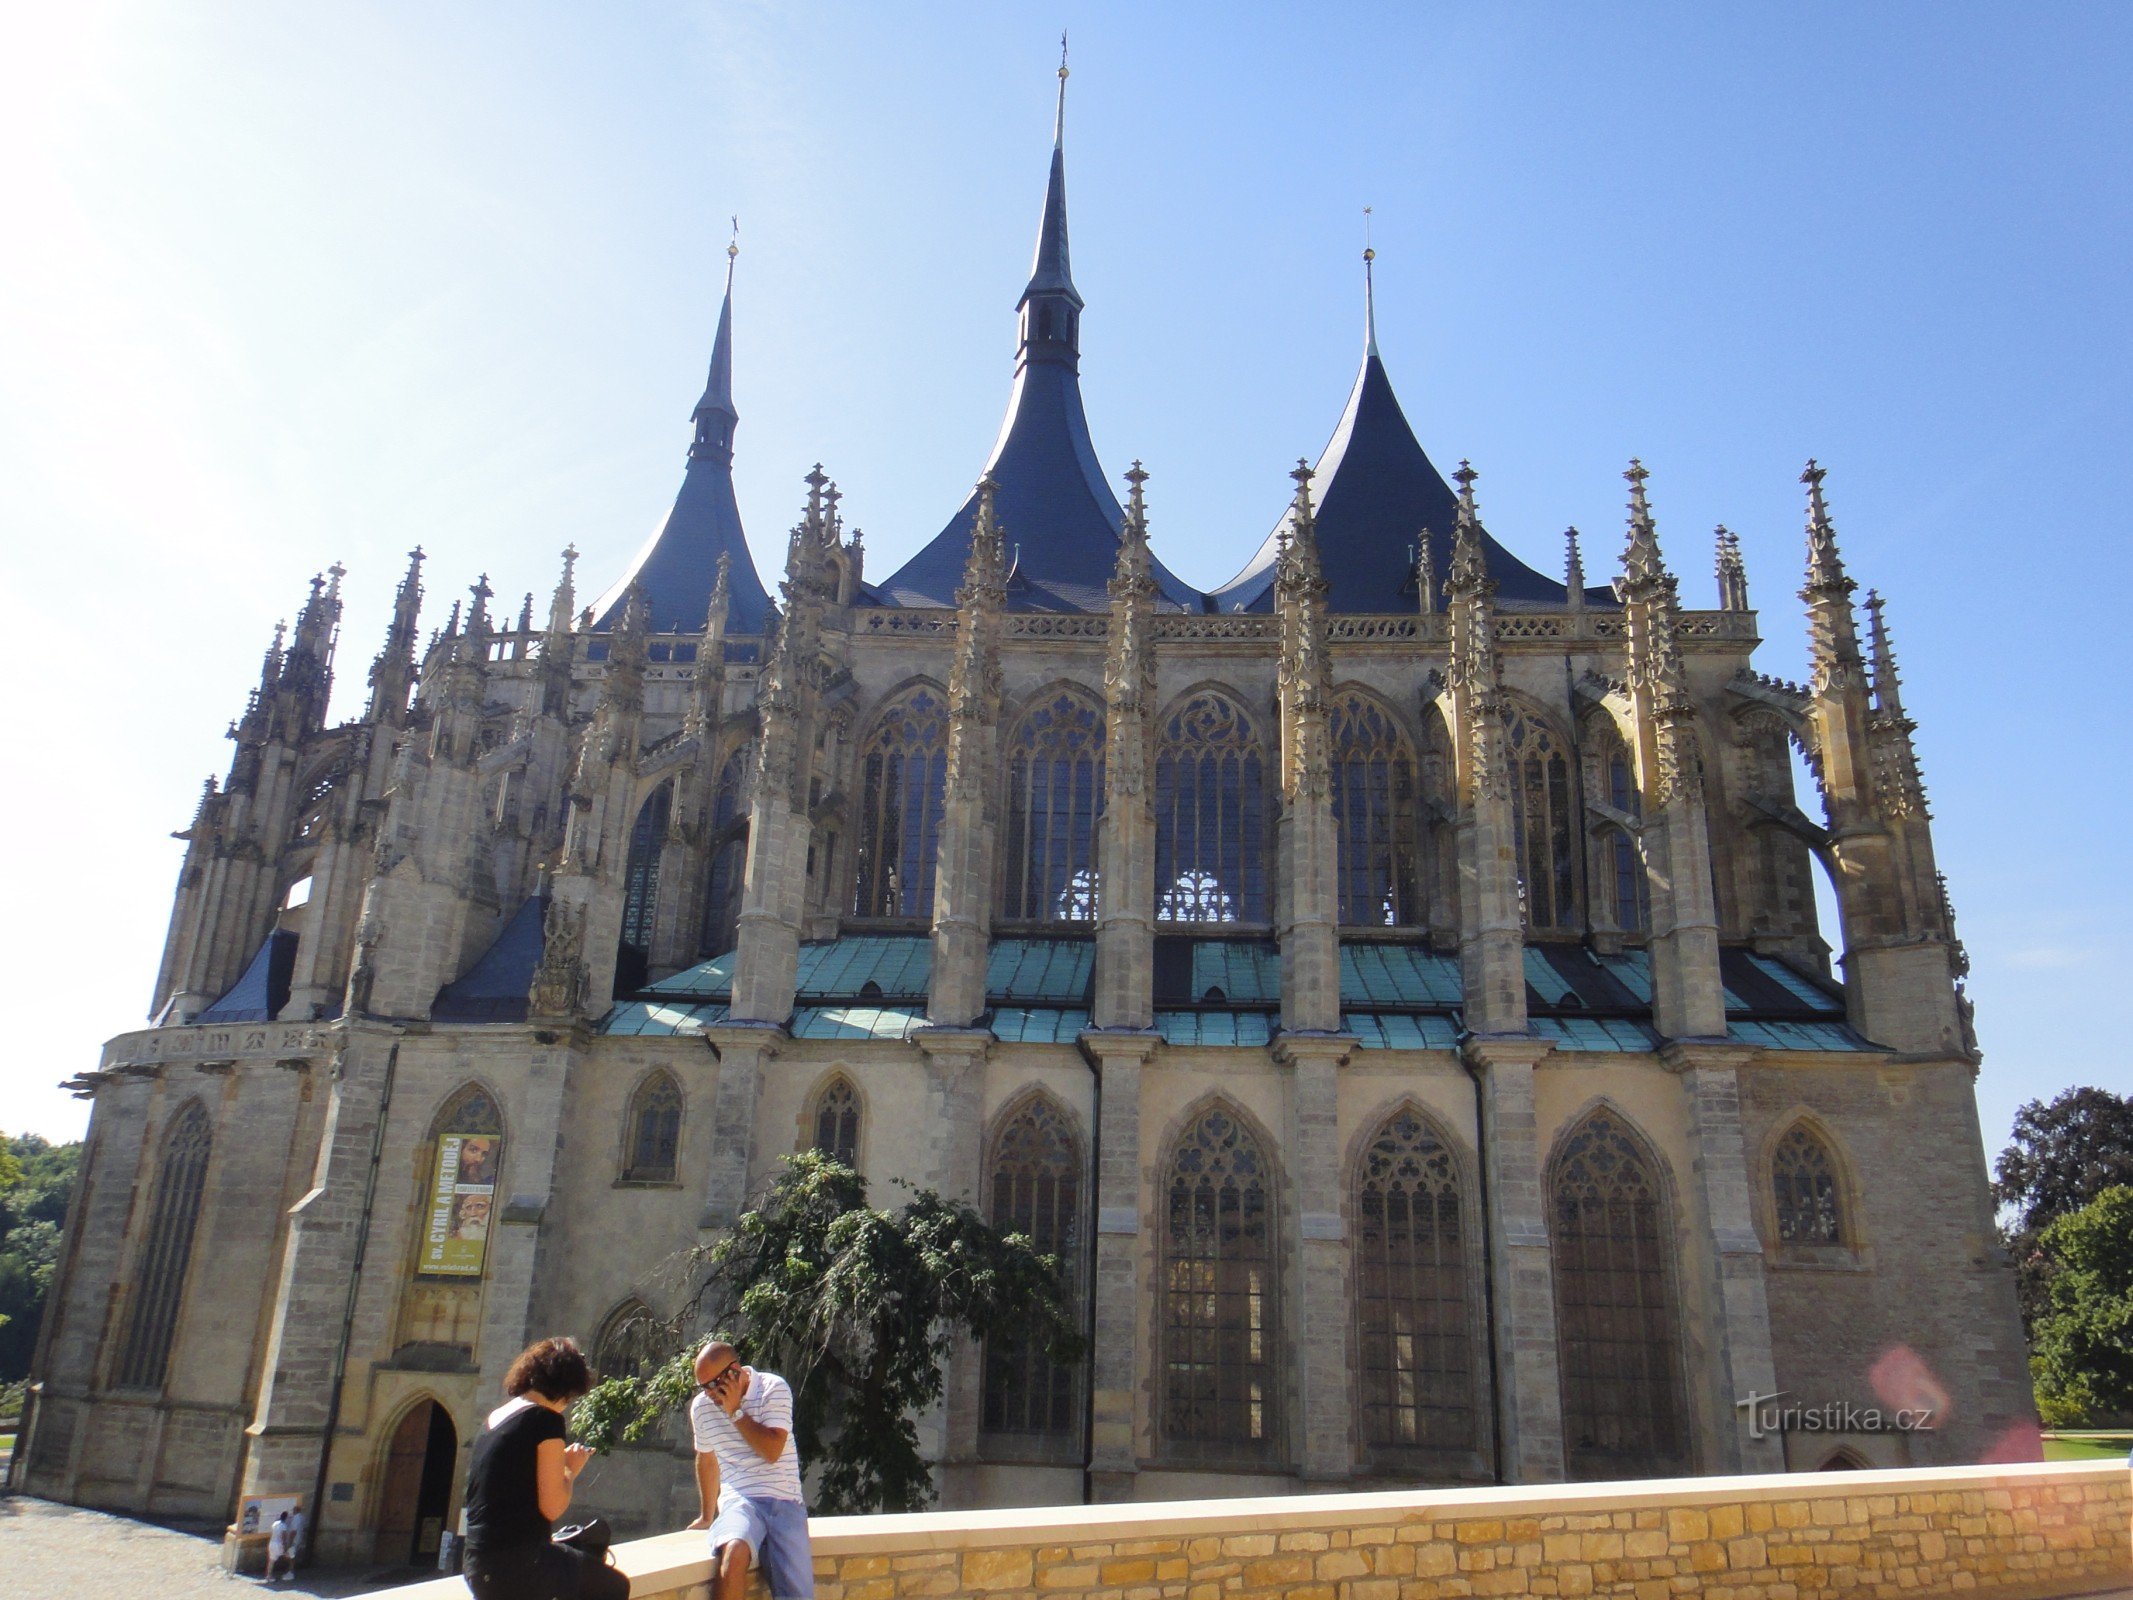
x=1630 y=893
x=1542 y=821
x=640 y=887
x=1411 y=1293
x=1624 y=1412
x=729 y=856
x=1804 y=1177
x=653 y=1130
x=166 y=1253
x=628 y=1344
x=902 y=773
x=1036 y=1191
x=835 y=1121
x=1219 y=1377
x=1055 y=793
x=1621 y=890
x=1374 y=806
x=1210 y=815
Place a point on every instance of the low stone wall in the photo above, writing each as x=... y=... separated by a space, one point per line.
x=2021 y=1532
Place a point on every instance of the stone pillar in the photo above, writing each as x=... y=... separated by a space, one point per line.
x=511 y=1268
x=1737 y=1311
x=1124 y=994
x=1320 y=1296
x=1119 y=1360
x=955 y=1115
x=743 y=1050
x=1528 y=1399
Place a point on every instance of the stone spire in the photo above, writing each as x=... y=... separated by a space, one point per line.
x=558 y=645
x=1732 y=572
x=1307 y=914
x=1898 y=781
x=1573 y=571
x=1651 y=595
x=1125 y=926
x=1426 y=598
x=1836 y=667
x=962 y=884
x=707 y=701
x=392 y=675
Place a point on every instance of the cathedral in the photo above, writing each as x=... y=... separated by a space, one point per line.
x=1390 y=979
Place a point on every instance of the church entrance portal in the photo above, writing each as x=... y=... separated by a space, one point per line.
x=417 y=1490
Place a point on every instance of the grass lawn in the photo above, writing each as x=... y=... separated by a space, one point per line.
x=2087 y=1446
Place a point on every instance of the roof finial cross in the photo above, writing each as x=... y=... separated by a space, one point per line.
x=1059 y=117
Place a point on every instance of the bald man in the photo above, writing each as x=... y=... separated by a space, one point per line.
x=748 y=1477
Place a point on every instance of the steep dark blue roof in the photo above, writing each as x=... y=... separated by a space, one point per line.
x=494 y=989
x=679 y=564
x=1376 y=490
x=262 y=989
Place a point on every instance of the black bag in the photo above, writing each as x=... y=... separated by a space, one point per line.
x=588 y=1538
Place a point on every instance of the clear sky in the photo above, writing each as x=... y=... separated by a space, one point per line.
x=284 y=284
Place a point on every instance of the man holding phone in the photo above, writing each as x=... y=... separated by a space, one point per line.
x=748 y=1477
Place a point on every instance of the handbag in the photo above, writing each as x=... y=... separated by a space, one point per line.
x=588 y=1538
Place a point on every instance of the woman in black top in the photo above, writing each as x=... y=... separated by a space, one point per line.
x=520 y=1482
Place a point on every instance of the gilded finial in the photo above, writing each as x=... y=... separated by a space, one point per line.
x=1059 y=117
x=733 y=244
x=1370 y=301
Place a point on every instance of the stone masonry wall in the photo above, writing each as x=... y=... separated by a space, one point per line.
x=2021 y=1532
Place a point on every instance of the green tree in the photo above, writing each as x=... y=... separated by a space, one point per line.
x=2082 y=1345
x=2063 y=1156
x=856 y=1307
x=36 y=1185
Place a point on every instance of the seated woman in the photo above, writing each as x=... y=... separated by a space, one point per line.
x=520 y=1482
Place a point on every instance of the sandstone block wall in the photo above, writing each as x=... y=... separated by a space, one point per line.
x=2022 y=1532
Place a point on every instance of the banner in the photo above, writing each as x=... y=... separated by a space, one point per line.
x=462 y=1198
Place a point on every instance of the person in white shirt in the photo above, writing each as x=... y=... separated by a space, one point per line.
x=278 y=1547
x=748 y=1477
x=296 y=1536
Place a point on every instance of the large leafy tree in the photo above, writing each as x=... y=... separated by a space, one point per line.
x=2064 y=1155
x=2083 y=1341
x=36 y=1184
x=856 y=1307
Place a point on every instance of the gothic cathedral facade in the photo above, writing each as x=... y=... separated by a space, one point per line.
x=1391 y=980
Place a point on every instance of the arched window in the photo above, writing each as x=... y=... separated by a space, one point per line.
x=1210 y=815
x=628 y=1344
x=1220 y=1381
x=1374 y=805
x=1617 y=1332
x=653 y=1130
x=1541 y=814
x=836 y=1121
x=1055 y=793
x=167 y=1251
x=1416 y=1335
x=640 y=888
x=902 y=773
x=1036 y=1191
x=1622 y=890
x=729 y=856
x=1809 y=1210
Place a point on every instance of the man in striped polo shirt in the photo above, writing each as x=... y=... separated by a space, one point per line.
x=748 y=1477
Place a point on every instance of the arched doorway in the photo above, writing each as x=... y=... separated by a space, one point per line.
x=417 y=1488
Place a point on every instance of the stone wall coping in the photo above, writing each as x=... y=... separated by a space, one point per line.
x=673 y=1562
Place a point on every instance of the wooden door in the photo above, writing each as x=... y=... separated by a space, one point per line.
x=400 y=1496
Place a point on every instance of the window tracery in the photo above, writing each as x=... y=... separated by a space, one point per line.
x=628 y=1344
x=166 y=1252
x=1055 y=794
x=1374 y=816
x=1624 y=1412
x=729 y=856
x=654 y=1130
x=1219 y=1377
x=836 y=1121
x=1411 y=1292
x=1036 y=1191
x=1804 y=1176
x=1210 y=815
x=640 y=887
x=903 y=774
x=1543 y=822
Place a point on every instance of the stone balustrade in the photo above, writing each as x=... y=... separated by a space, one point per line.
x=2022 y=1532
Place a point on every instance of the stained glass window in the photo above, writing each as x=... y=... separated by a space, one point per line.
x=654 y=1130
x=1541 y=816
x=1036 y=1191
x=1374 y=806
x=903 y=771
x=836 y=1120
x=1220 y=1382
x=1626 y=893
x=1808 y=1208
x=1210 y=815
x=1624 y=1412
x=167 y=1251
x=729 y=856
x=1055 y=793
x=1416 y=1336
x=640 y=886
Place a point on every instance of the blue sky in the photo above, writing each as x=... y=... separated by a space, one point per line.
x=287 y=284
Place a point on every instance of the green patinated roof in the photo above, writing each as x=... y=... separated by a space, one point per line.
x=1402 y=1030
x=1040 y=969
x=654 y=1018
x=857 y=1022
x=1038 y=1024
x=1797 y=1036
x=1597 y=1033
x=1398 y=975
x=1215 y=1027
x=1244 y=971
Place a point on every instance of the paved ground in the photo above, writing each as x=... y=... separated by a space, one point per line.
x=54 y=1552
